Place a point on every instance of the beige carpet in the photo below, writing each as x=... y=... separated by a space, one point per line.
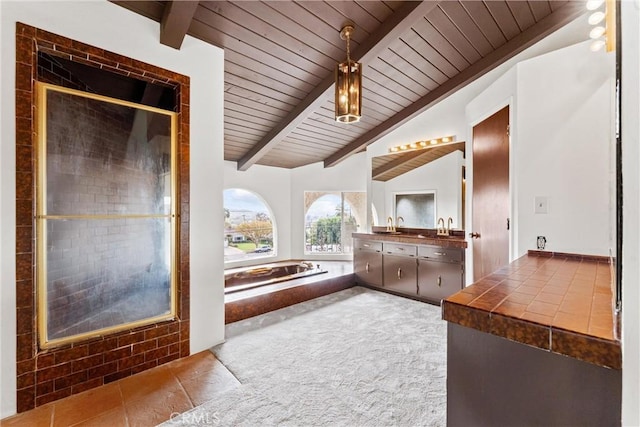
x=354 y=358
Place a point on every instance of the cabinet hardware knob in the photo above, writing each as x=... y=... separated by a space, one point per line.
x=474 y=235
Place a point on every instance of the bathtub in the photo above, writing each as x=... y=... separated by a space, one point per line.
x=239 y=279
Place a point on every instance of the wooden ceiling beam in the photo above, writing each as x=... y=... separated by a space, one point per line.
x=175 y=22
x=554 y=21
x=377 y=42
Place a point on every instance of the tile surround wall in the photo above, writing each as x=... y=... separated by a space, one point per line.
x=45 y=376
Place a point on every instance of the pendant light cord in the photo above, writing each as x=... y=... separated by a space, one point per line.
x=348 y=50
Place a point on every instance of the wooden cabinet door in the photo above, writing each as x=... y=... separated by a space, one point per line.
x=438 y=280
x=400 y=274
x=367 y=266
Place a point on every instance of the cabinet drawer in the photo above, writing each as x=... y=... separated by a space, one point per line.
x=440 y=253
x=399 y=249
x=368 y=245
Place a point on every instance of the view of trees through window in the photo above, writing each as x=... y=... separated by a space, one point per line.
x=248 y=226
x=330 y=219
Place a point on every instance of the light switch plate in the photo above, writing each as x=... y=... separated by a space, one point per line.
x=542 y=205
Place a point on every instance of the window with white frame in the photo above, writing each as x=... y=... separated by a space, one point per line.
x=248 y=226
x=330 y=219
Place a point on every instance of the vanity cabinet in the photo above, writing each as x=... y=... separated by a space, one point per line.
x=367 y=262
x=440 y=272
x=423 y=271
x=400 y=268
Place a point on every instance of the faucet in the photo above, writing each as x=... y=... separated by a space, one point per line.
x=449 y=223
x=440 y=230
x=398 y=221
x=390 y=226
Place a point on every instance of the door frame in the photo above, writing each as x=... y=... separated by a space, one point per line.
x=509 y=102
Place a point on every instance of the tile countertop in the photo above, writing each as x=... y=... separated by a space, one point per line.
x=561 y=303
x=454 y=241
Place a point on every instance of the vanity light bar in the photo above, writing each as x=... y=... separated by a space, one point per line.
x=602 y=33
x=427 y=143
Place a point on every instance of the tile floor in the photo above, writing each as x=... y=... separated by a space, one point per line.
x=145 y=399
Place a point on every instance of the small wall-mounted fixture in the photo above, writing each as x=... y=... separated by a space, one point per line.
x=603 y=19
x=348 y=103
x=419 y=145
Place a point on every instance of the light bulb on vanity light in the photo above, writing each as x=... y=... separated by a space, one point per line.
x=596 y=45
x=596 y=18
x=597 y=32
x=594 y=4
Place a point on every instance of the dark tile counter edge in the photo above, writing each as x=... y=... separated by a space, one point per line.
x=598 y=351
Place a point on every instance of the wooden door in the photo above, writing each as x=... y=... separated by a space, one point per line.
x=490 y=197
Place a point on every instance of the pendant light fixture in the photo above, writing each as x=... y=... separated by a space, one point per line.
x=348 y=103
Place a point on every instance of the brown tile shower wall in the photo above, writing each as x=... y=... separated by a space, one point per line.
x=44 y=376
x=49 y=71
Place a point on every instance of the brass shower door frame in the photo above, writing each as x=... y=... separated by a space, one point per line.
x=41 y=218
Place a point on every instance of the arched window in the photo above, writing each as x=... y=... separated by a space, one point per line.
x=249 y=226
x=330 y=219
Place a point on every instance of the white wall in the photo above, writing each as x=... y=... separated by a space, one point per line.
x=349 y=175
x=563 y=145
x=111 y=27
x=444 y=176
x=631 y=208
x=560 y=148
x=272 y=185
x=448 y=117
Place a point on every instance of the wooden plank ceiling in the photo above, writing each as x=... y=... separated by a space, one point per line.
x=280 y=58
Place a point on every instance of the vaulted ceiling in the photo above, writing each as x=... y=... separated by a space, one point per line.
x=280 y=58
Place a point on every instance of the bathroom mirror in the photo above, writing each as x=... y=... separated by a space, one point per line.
x=420 y=186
